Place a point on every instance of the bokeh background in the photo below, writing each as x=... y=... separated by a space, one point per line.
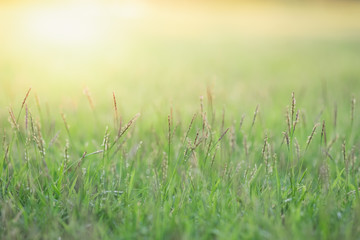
x=154 y=54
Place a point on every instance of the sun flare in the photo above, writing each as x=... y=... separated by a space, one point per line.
x=77 y=24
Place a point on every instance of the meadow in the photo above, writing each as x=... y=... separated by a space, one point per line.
x=213 y=131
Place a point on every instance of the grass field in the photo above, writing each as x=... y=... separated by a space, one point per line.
x=173 y=127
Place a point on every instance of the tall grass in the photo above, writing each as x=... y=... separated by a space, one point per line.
x=209 y=177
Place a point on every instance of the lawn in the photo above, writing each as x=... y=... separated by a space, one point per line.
x=174 y=127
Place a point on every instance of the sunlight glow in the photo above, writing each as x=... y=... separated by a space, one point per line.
x=77 y=24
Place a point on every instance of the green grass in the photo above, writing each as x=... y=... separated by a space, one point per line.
x=211 y=180
x=223 y=175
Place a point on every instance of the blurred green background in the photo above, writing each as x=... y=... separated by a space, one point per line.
x=157 y=54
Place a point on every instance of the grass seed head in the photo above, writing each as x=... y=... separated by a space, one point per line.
x=128 y=125
x=287 y=139
x=190 y=125
x=343 y=147
x=115 y=110
x=288 y=122
x=311 y=135
x=264 y=147
x=293 y=103
x=26 y=96
x=202 y=105
x=232 y=137
x=210 y=100
x=67 y=127
x=26 y=117
x=90 y=100
x=323 y=133
x=297 y=118
x=241 y=121
x=255 y=114
x=13 y=120
x=353 y=102
x=169 y=129
x=164 y=167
